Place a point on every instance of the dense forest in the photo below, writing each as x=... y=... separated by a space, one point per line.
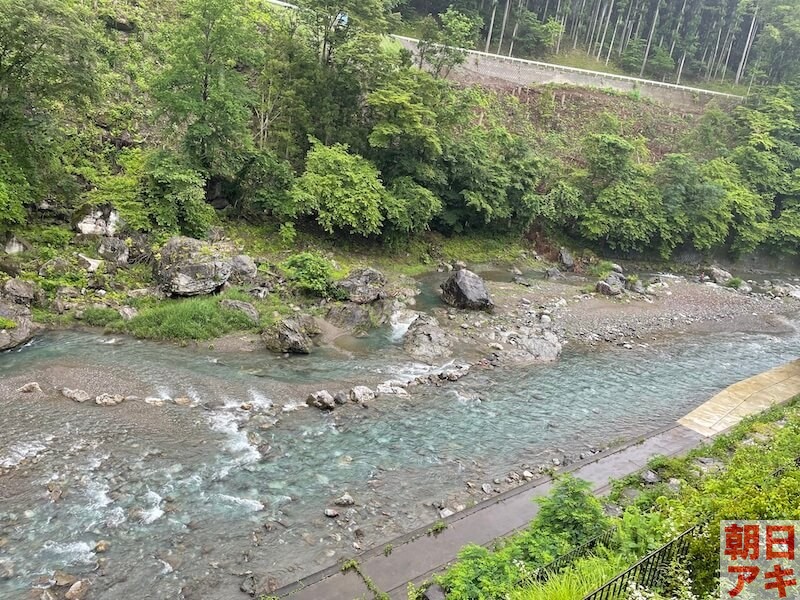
x=185 y=113
x=712 y=40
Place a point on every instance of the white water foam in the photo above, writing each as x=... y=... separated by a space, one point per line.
x=259 y=400
x=21 y=451
x=70 y=553
x=253 y=505
x=155 y=511
x=400 y=321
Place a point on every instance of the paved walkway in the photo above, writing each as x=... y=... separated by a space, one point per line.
x=744 y=399
x=417 y=556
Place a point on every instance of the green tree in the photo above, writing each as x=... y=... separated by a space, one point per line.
x=441 y=46
x=202 y=90
x=342 y=190
x=174 y=196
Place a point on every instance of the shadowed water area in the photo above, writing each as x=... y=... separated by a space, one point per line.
x=191 y=498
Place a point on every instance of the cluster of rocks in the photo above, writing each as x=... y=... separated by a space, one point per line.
x=616 y=283
x=61 y=586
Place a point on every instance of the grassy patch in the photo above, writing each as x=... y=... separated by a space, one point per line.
x=189 y=319
x=101 y=317
x=734 y=282
x=7 y=324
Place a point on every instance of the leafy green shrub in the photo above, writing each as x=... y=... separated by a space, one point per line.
x=310 y=273
x=52 y=236
x=343 y=190
x=6 y=323
x=287 y=233
x=101 y=317
x=568 y=517
x=734 y=282
x=175 y=196
x=190 y=319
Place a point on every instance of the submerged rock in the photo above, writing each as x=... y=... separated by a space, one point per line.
x=363 y=286
x=465 y=289
x=291 y=335
x=189 y=267
x=344 y=500
x=426 y=340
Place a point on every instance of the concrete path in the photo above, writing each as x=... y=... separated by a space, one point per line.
x=744 y=399
x=417 y=556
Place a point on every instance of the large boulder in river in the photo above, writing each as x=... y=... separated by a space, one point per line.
x=718 y=275
x=189 y=267
x=16 y=324
x=465 y=289
x=291 y=335
x=363 y=286
x=426 y=340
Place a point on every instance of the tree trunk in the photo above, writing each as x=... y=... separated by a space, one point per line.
x=680 y=68
x=613 y=37
x=649 y=40
x=713 y=56
x=748 y=44
x=677 y=31
x=503 y=28
x=516 y=28
x=605 y=31
x=491 y=25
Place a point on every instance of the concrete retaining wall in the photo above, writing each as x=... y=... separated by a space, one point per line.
x=482 y=67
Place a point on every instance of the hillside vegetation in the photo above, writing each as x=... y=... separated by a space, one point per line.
x=187 y=114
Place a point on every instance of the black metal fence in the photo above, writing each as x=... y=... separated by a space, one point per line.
x=648 y=572
x=565 y=560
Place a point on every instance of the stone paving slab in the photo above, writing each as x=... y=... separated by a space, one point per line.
x=745 y=398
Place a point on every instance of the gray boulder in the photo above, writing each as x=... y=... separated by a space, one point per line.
x=361 y=394
x=14 y=246
x=55 y=266
x=363 y=286
x=19 y=291
x=532 y=345
x=291 y=335
x=553 y=273
x=566 y=259
x=114 y=250
x=465 y=289
x=18 y=325
x=360 y=317
x=635 y=285
x=243 y=307
x=718 y=275
x=97 y=220
x=189 y=267
x=607 y=289
x=322 y=400
x=426 y=340
x=243 y=269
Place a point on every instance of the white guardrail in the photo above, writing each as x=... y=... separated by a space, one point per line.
x=553 y=67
